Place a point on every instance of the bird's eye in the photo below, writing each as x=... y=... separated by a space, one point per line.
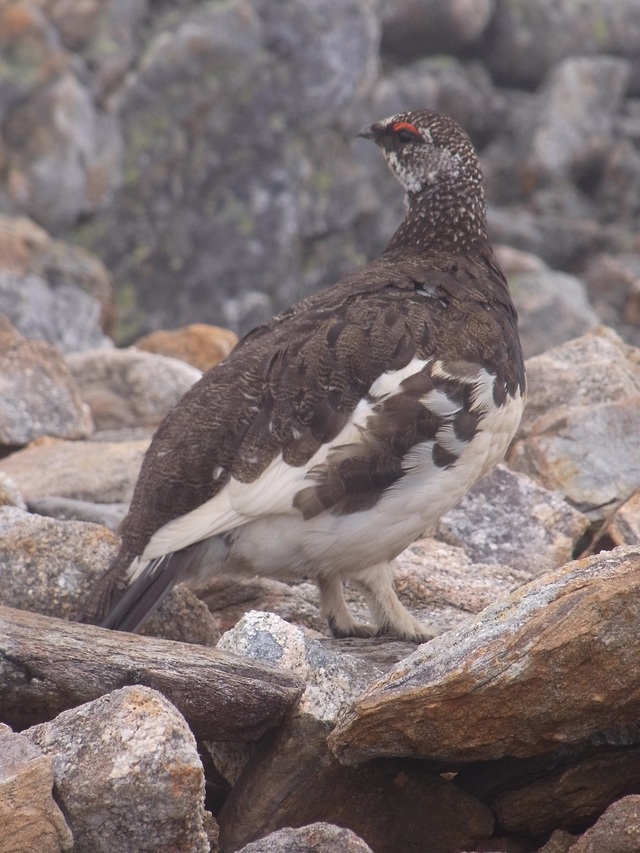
x=406 y=132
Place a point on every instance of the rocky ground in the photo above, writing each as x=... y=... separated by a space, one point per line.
x=171 y=166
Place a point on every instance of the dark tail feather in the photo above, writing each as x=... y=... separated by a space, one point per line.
x=121 y=607
x=145 y=595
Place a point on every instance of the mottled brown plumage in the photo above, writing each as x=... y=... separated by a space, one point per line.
x=386 y=381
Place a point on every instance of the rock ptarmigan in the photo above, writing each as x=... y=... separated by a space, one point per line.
x=338 y=432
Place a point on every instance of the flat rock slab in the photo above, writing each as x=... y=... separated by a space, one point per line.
x=49 y=665
x=552 y=663
x=99 y=471
x=127 y=773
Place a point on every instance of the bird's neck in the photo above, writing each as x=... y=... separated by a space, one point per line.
x=442 y=218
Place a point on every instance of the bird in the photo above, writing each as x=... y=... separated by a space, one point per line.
x=338 y=432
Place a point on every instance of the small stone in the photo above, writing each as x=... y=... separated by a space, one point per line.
x=39 y=396
x=199 y=344
x=30 y=819
x=315 y=838
x=127 y=774
x=129 y=388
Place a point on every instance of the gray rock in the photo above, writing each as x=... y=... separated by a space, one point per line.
x=562 y=241
x=29 y=816
x=552 y=307
x=497 y=685
x=130 y=388
x=95 y=471
x=613 y=285
x=127 y=774
x=49 y=288
x=268 y=158
x=527 y=40
x=49 y=566
x=572 y=124
x=508 y=518
x=420 y=27
x=597 y=367
x=39 y=396
x=65 y=316
x=72 y=169
x=588 y=453
x=315 y=838
x=331 y=678
x=104 y=37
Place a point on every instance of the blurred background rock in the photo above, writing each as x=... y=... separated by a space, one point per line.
x=200 y=157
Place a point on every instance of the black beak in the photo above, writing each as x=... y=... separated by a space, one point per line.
x=370 y=131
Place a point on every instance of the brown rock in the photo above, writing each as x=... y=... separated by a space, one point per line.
x=129 y=388
x=623 y=528
x=39 y=396
x=379 y=802
x=29 y=816
x=617 y=831
x=571 y=797
x=199 y=344
x=98 y=471
x=315 y=838
x=550 y=664
x=127 y=774
x=559 y=842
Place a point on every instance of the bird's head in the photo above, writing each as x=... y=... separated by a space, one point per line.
x=424 y=148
